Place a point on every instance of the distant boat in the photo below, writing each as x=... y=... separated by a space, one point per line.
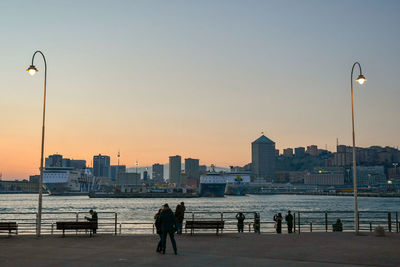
x=65 y=181
x=212 y=185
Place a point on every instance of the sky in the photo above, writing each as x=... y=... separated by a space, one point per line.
x=200 y=79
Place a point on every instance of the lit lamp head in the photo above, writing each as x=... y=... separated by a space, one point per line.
x=32 y=70
x=361 y=79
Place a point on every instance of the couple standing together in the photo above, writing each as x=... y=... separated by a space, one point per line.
x=278 y=222
x=167 y=223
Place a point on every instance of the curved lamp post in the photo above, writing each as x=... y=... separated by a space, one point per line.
x=32 y=70
x=360 y=79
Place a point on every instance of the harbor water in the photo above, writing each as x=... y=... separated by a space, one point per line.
x=143 y=209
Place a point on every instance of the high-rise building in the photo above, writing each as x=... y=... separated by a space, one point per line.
x=158 y=173
x=116 y=171
x=101 y=166
x=263 y=158
x=312 y=150
x=288 y=152
x=77 y=164
x=55 y=160
x=175 y=169
x=192 y=168
x=299 y=152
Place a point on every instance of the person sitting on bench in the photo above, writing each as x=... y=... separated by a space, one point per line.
x=94 y=219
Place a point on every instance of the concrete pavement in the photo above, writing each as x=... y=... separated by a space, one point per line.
x=306 y=249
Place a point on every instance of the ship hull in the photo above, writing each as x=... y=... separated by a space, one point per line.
x=212 y=190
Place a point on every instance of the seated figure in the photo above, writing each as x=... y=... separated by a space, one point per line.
x=338 y=226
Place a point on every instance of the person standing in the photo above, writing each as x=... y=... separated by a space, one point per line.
x=289 y=222
x=278 y=223
x=180 y=215
x=168 y=227
x=93 y=219
x=240 y=218
x=157 y=224
x=256 y=224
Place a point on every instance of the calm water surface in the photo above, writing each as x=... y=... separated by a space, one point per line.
x=135 y=209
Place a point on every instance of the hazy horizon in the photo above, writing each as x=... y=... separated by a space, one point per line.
x=201 y=79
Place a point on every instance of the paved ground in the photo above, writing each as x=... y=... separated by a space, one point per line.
x=307 y=249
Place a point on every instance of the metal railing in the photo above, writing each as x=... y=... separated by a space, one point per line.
x=26 y=221
x=304 y=221
x=322 y=221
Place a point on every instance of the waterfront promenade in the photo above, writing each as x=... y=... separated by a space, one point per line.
x=306 y=249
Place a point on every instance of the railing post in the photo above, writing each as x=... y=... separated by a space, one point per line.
x=116 y=223
x=77 y=217
x=36 y=221
x=326 y=221
x=397 y=222
x=299 y=221
x=370 y=226
x=192 y=229
x=222 y=219
x=294 y=219
x=310 y=227
x=120 y=228
x=390 y=221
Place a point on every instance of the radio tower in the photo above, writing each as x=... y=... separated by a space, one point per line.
x=116 y=176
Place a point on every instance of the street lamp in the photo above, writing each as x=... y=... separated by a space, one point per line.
x=360 y=79
x=32 y=70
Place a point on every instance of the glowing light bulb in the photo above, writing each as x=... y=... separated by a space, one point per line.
x=32 y=72
x=361 y=79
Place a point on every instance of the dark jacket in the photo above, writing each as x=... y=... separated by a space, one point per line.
x=94 y=218
x=180 y=213
x=157 y=223
x=167 y=220
x=289 y=219
x=240 y=218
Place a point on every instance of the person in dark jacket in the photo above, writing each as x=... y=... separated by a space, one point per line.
x=338 y=226
x=278 y=223
x=157 y=224
x=168 y=227
x=289 y=222
x=240 y=218
x=94 y=219
x=179 y=216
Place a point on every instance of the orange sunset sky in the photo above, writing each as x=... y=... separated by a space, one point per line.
x=198 y=79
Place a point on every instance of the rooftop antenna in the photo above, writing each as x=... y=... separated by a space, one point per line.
x=116 y=175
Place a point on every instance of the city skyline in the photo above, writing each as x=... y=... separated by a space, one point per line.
x=190 y=79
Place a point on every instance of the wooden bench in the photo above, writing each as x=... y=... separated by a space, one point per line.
x=9 y=226
x=76 y=226
x=204 y=225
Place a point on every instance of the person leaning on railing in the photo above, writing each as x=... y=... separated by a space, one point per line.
x=240 y=218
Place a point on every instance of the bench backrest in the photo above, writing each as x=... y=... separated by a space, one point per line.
x=205 y=224
x=76 y=225
x=8 y=226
